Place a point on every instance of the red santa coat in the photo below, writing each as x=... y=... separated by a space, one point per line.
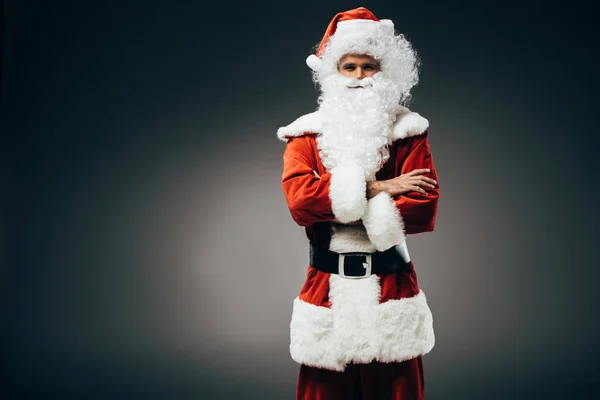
x=337 y=321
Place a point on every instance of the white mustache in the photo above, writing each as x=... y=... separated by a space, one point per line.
x=354 y=83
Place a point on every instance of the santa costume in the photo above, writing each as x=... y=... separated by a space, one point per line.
x=360 y=324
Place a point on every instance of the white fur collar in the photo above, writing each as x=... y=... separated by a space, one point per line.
x=407 y=124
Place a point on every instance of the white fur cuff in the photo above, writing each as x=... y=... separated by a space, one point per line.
x=347 y=191
x=383 y=222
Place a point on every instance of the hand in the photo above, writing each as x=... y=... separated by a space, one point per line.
x=409 y=182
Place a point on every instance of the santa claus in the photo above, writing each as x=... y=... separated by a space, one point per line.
x=359 y=176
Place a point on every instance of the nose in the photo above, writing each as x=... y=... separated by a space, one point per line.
x=359 y=73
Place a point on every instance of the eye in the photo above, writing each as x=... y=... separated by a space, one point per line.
x=349 y=67
x=370 y=67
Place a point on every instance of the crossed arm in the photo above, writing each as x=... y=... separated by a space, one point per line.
x=407 y=201
x=413 y=180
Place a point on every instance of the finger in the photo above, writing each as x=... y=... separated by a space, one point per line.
x=428 y=179
x=420 y=190
x=427 y=182
x=418 y=171
x=421 y=181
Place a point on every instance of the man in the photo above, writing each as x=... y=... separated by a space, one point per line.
x=358 y=175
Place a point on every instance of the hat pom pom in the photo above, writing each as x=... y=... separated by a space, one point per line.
x=314 y=62
x=387 y=27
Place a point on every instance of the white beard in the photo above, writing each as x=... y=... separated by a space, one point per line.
x=357 y=122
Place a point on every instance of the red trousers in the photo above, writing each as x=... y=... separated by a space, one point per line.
x=374 y=381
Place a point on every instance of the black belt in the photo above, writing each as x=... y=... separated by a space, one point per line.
x=356 y=265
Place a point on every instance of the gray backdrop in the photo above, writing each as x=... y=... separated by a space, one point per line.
x=149 y=251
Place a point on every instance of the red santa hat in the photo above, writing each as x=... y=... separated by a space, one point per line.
x=356 y=31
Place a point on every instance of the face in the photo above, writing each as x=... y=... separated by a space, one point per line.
x=358 y=66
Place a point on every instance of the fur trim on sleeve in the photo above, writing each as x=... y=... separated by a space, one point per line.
x=347 y=191
x=383 y=222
